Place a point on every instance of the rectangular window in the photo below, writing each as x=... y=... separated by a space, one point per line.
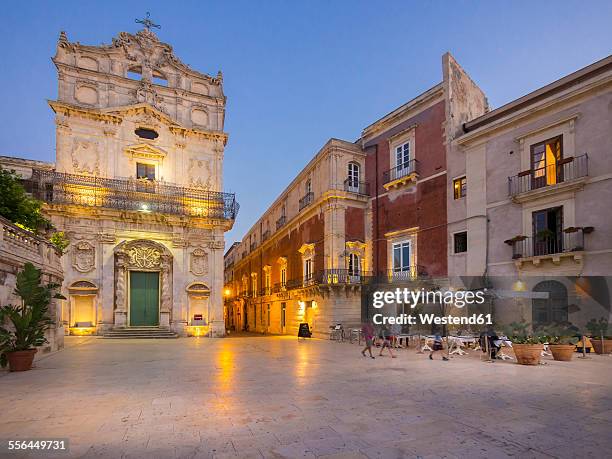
x=145 y=171
x=267 y=282
x=353 y=264
x=308 y=269
x=254 y=286
x=460 y=242
x=283 y=276
x=402 y=156
x=545 y=157
x=268 y=315
x=547 y=231
x=459 y=187
x=283 y=314
x=401 y=256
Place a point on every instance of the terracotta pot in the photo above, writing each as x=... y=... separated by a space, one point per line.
x=562 y=352
x=20 y=360
x=527 y=354
x=607 y=345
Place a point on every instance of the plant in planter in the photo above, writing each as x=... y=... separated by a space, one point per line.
x=562 y=340
x=23 y=327
x=516 y=248
x=527 y=346
x=599 y=330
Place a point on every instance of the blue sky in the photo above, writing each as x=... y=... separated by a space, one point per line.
x=298 y=73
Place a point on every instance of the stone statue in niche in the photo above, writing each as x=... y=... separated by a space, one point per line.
x=85 y=157
x=83 y=256
x=200 y=173
x=199 y=262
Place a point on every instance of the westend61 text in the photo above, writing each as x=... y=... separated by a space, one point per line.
x=432 y=319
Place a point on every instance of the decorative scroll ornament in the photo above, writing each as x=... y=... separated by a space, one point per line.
x=199 y=262
x=144 y=257
x=83 y=257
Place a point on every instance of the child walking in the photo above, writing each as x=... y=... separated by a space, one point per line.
x=437 y=346
x=385 y=334
x=368 y=333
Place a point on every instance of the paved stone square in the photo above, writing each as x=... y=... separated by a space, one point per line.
x=277 y=397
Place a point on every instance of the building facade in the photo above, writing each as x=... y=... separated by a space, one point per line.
x=304 y=259
x=528 y=199
x=365 y=213
x=135 y=187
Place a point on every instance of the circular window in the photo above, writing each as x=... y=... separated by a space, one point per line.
x=145 y=133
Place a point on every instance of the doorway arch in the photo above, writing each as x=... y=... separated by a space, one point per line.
x=554 y=309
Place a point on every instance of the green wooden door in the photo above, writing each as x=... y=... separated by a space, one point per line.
x=144 y=298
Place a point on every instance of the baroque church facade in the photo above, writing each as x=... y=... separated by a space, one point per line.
x=135 y=187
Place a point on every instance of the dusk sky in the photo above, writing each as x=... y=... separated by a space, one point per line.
x=296 y=74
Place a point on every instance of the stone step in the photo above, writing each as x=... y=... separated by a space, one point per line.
x=140 y=332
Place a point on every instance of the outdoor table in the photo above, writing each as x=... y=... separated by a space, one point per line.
x=403 y=336
x=456 y=343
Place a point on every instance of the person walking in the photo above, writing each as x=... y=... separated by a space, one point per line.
x=367 y=330
x=385 y=334
x=437 y=346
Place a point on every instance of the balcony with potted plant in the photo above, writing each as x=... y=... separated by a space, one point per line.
x=548 y=245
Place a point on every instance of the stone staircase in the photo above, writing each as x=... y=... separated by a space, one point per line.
x=140 y=333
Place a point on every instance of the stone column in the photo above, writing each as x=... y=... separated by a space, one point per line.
x=120 y=291
x=166 y=291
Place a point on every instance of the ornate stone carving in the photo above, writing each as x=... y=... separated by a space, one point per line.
x=83 y=256
x=198 y=263
x=85 y=157
x=146 y=93
x=200 y=173
x=144 y=257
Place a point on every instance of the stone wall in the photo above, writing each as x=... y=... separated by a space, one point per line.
x=17 y=247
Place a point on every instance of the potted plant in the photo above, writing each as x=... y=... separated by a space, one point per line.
x=562 y=340
x=527 y=346
x=512 y=242
x=22 y=327
x=602 y=341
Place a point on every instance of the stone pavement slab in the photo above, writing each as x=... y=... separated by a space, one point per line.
x=275 y=397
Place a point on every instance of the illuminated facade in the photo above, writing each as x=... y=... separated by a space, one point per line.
x=135 y=186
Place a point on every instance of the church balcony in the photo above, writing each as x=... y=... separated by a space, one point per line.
x=145 y=196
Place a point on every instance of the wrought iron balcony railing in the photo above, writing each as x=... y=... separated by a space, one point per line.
x=281 y=222
x=132 y=195
x=265 y=235
x=565 y=170
x=341 y=276
x=401 y=171
x=253 y=246
x=405 y=274
x=354 y=186
x=265 y=291
x=548 y=244
x=306 y=200
x=279 y=287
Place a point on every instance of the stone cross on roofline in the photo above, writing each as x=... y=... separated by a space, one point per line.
x=148 y=23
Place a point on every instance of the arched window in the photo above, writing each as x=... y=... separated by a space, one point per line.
x=353 y=176
x=553 y=309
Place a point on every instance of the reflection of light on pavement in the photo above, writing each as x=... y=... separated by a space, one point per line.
x=302 y=368
x=224 y=370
